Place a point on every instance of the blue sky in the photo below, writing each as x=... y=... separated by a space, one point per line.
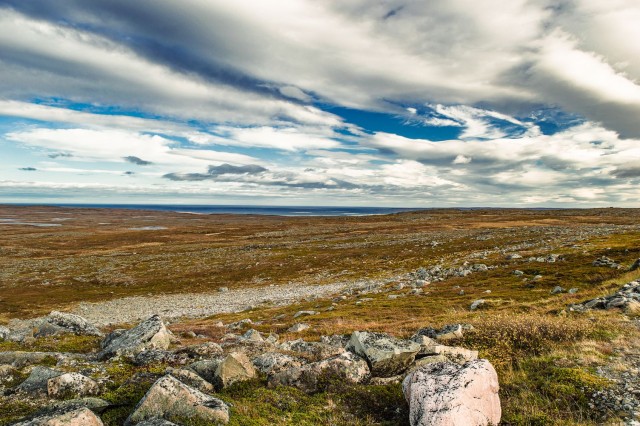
x=388 y=103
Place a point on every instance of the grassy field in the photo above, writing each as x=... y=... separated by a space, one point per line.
x=545 y=356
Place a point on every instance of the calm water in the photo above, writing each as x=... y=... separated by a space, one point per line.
x=256 y=210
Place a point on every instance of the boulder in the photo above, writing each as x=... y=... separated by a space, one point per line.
x=386 y=355
x=317 y=350
x=636 y=265
x=189 y=377
x=62 y=323
x=149 y=334
x=252 y=335
x=76 y=417
x=170 y=399
x=346 y=366
x=273 y=362
x=71 y=384
x=206 y=369
x=235 y=367
x=448 y=394
x=37 y=382
x=557 y=289
x=204 y=350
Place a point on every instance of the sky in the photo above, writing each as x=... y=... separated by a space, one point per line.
x=407 y=103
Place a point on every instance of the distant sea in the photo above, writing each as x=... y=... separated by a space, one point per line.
x=255 y=210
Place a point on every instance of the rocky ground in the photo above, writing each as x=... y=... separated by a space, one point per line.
x=352 y=321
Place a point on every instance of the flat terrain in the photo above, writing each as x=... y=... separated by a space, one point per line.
x=58 y=257
x=358 y=273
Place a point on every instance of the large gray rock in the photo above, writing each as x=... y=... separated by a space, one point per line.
x=386 y=355
x=37 y=382
x=62 y=323
x=149 y=334
x=206 y=369
x=189 y=377
x=76 y=417
x=449 y=394
x=235 y=367
x=346 y=366
x=317 y=350
x=156 y=422
x=170 y=399
x=71 y=384
x=273 y=362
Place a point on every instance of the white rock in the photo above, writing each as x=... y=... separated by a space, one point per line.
x=386 y=355
x=235 y=367
x=449 y=394
x=168 y=397
x=149 y=334
x=297 y=328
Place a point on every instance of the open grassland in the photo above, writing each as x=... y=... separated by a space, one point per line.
x=546 y=357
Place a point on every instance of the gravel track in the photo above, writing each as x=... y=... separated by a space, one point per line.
x=192 y=305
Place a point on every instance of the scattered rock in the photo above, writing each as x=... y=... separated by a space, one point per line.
x=298 y=327
x=557 y=289
x=20 y=359
x=442 y=393
x=96 y=405
x=156 y=422
x=203 y=350
x=386 y=355
x=4 y=332
x=304 y=314
x=636 y=265
x=346 y=366
x=317 y=350
x=37 y=381
x=223 y=289
x=252 y=335
x=573 y=290
x=149 y=334
x=71 y=384
x=77 y=417
x=513 y=256
x=169 y=398
x=274 y=362
x=477 y=304
x=623 y=298
x=604 y=261
x=239 y=324
x=518 y=273
x=235 y=367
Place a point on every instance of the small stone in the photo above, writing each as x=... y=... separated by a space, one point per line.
x=71 y=384
x=297 y=328
x=557 y=289
x=573 y=290
x=78 y=417
x=477 y=304
x=304 y=313
x=253 y=335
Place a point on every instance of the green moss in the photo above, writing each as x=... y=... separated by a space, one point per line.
x=12 y=410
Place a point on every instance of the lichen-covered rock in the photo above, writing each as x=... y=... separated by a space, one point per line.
x=449 y=394
x=76 y=417
x=37 y=381
x=203 y=350
x=149 y=334
x=317 y=350
x=206 y=369
x=71 y=384
x=62 y=322
x=235 y=367
x=273 y=362
x=170 y=399
x=298 y=327
x=154 y=356
x=189 y=377
x=252 y=335
x=346 y=366
x=96 y=405
x=386 y=355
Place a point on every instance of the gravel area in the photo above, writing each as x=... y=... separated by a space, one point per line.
x=192 y=305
